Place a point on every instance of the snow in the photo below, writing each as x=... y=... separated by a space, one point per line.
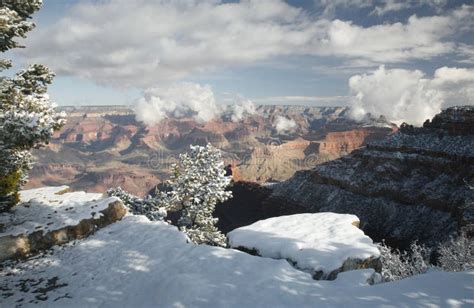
x=139 y=263
x=51 y=208
x=315 y=242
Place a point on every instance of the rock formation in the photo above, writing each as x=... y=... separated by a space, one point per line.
x=104 y=146
x=415 y=184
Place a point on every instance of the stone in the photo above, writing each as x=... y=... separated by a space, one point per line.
x=322 y=244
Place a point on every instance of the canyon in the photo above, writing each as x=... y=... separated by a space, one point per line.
x=416 y=184
x=105 y=146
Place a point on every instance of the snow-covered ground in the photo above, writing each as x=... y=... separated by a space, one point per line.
x=314 y=242
x=139 y=263
x=51 y=208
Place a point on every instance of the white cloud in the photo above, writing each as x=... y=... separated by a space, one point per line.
x=408 y=95
x=387 y=6
x=419 y=38
x=331 y=6
x=177 y=101
x=143 y=43
x=283 y=124
x=241 y=109
x=380 y=7
x=140 y=43
x=466 y=51
x=295 y=100
x=187 y=100
x=390 y=6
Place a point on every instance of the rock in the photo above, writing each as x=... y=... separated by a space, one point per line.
x=53 y=216
x=323 y=244
x=413 y=185
x=104 y=146
x=244 y=208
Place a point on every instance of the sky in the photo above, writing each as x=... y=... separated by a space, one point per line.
x=407 y=59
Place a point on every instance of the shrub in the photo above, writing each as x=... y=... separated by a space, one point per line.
x=397 y=265
x=457 y=254
x=149 y=206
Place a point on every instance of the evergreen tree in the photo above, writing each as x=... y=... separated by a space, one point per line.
x=197 y=185
x=27 y=117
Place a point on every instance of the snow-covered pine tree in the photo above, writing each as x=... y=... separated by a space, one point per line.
x=27 y=117
x=197 y=185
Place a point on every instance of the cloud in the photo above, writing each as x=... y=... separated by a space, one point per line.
x=390 y=6
x=283 y=124
x=418 y=38
x=177 y=101
x=387 y=6
x=143 y=43
x=187 y=100
x=330 y=7
x=140 y=43
x=295 y=100
x=466 y=51
x=379 y=7
x=241 y=109
x=408 y=95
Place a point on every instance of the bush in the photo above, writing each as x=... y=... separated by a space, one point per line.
x=397 y=265
x=456 y=254
x=149 y=206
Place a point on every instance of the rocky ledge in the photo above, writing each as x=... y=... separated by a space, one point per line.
x=415 y=184
x=52 y=216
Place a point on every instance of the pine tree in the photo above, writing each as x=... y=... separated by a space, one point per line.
x=27 y=117
x=197 y=185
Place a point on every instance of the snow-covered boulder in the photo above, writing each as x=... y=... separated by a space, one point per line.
x=322 y=244
x=52 y=215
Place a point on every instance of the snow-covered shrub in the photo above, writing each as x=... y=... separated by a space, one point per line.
x=149 y=206
x=27 y=117
x=198 y=183
x=397 y=265
x=457 y=254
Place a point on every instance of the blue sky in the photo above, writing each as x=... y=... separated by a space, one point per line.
x=295 y=52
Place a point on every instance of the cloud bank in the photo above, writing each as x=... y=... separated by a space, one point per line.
x=190 y=100
x=141 y=43
x=409 y=95
x=177 y=101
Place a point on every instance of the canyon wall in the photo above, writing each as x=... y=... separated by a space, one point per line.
x=104 y=146
x=417 y=183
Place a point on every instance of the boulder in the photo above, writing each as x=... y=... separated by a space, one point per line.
x=323 y=244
